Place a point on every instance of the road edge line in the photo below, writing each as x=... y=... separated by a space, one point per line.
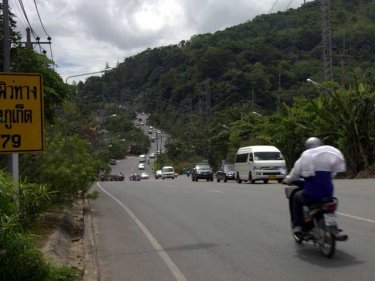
x=176 y=272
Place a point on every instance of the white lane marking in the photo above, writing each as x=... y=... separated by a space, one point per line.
x=215 y=191
x=355 y=217
x=176 y=272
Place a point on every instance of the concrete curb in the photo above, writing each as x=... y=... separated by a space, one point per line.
x=91 y=272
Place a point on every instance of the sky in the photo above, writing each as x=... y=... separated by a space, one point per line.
x=89 y=34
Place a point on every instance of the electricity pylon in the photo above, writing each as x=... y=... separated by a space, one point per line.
x=326 y=39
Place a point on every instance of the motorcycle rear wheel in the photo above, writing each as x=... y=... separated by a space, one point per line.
x=327 y=242
x=297 y=237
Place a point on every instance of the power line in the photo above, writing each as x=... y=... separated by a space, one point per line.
x=45 y=31
x=37 y=11
x=21 y=20
x=288 y=6
x=22 y=10
x=273 y=6
x=27 y=19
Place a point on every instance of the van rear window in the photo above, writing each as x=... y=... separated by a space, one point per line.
x=241 y=158
x=268 y=156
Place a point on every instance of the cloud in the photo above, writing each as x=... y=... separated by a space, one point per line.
x=88 y=33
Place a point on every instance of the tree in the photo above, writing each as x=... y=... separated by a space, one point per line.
x=55 y=91
x=347 y=118
x=14 y=36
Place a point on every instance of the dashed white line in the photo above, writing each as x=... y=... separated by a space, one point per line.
x=355 y=217
x=215 y=191
x=176 y=272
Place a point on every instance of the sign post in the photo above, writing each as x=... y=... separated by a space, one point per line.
x=21 y=112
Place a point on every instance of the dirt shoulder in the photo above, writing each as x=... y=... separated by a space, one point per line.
x=72 y=243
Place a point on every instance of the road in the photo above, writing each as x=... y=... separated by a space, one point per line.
x=183 y=230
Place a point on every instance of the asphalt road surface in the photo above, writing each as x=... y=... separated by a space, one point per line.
x=183 y=230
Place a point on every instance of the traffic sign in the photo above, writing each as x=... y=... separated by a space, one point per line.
x=21 y=112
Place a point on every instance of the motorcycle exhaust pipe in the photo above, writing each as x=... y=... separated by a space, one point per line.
x=340 y=236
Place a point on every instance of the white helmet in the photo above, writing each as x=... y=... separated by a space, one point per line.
x=312 y=142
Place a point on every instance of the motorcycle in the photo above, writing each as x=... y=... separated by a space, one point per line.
x=320 y=224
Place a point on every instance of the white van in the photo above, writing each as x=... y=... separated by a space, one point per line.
x=259 y=162
x=167 y=172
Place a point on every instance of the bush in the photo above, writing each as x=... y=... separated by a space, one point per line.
x=60 y=169
x=20 y=261
x=32 y=199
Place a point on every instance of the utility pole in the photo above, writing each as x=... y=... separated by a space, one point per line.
x=190 y=128
x=343 y=57
x=30 y=45
x=326 y=39
x=11 y=159
x=208 y=99
x=6 y=39
x=252 y=99
x=157 y=150
x=208 y=116
x=279 y=92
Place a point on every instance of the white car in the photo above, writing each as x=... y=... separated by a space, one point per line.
x=152 y=155
x=142 y=158
x=144 y=175
x=158 y=174
x=141 y=166
x=167 y=172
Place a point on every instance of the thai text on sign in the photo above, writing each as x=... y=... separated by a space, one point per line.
x=21 y=112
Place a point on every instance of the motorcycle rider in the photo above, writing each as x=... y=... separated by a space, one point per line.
x=101 y=174
x=317 y=166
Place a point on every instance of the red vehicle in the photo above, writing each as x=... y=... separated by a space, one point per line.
x=116 y=177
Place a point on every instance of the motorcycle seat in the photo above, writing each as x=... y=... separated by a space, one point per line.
x=322 y=203
x=315 y=208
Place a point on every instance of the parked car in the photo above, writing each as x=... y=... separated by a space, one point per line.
x=116 y=177
x=202 y=171
x=225 y=173
x=144 y=175
x=141 y=166
x=158 y=174
x=152 y=155
x=112 y=161
x=167 y=172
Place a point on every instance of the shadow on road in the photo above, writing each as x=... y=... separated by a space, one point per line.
x=311 y=254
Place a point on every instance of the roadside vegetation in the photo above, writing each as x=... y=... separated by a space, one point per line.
x=214 y=93
x=344 y=118
x=19 y=258
x=79 y=139
x=247 y=85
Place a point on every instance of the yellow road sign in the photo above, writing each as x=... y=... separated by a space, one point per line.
x=21 y=112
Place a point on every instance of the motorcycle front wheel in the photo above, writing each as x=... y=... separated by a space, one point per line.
x=326 y=240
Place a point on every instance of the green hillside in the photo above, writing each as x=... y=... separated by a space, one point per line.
x=194 y=87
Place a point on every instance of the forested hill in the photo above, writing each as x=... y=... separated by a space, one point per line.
x=262 y=61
